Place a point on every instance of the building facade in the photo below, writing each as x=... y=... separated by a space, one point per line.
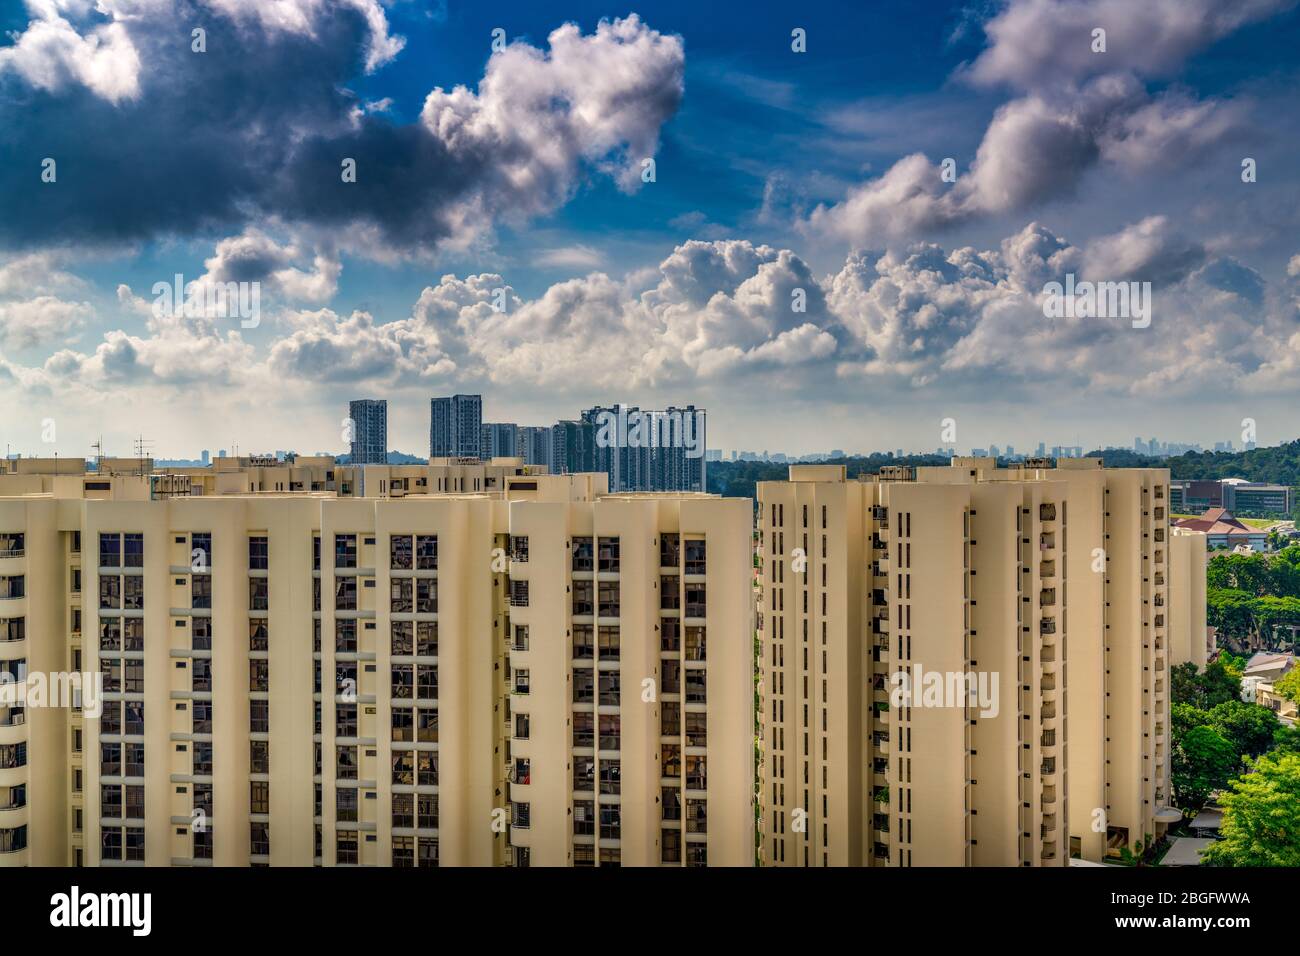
x=456 y=427
x=369 y=419
x=299 y=678
x=1025 y=608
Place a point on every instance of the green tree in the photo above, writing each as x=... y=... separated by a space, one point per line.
x=1203 y=762
x=1183 y=717
x=1248 y=727
x=1261 y=816
x=1205 y=690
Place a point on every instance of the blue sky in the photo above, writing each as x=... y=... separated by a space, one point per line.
x=776 y=171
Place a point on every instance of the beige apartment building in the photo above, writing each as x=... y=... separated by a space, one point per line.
x=295 y=677
x=1040 y=589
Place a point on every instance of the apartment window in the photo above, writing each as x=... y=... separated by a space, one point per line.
x=15 y=586
x=670 y=595
x=259 y=716
x=133 y=592
x=521 y=816
x=610 y=776
x=345 y=720
x=258 y=634
x=259 y=594
x=610 y=823
x=426 y=596
x=345 y=763
x=696 y=778
x=519 y=594
x=670 y=844
x=426 y=552
x=259 y=675
x=345 y=842
x=695 y=556
x=520 y=642
x=133 y=550
x=110 y=551
x=672 y=802
x=695 y=687
x=426 y=682
x=201 y=542
x=259 y=839
x=346 y=804
x=584 y=645
x=13 y=629
x=426 y=638
x=609 y=555
x=670 y=550
x=426 y=811
x=404 y=810
x=583 y=556
x=201 y=591
x=259 y=756
x=584 y=686
x=403 y=679
x=521 y=680
x=401 y=552
x=110 y=590
x=584 y=818
x=584 y=728
x=670 y=719
x=403 y=851
x=403 y=724
x=259 y=797
x=12 y=544
x=695 y=644
x=258 y=554
x=401 y=596
x=609 y=599
x=583 y=598
x=609 y=642
x=202 y=765
x=401 y=638
x=201 y=634
x=201 y=674
x=609 y=732
x=201 y=716
x=519 y=548
x=696 y=600
x=345 y=594
x=345 y=551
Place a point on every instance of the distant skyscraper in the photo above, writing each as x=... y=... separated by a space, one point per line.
x=533 y=445
x=499 y=440
x=648 y=450
x=369 y=431
x=571 y=447
x=206 y=458
x=456 y=427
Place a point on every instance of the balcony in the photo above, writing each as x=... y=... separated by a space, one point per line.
x=1047 y=569
x=1046 y=512
x=1047 y=625
x=1047 y=597
x=1047 y=541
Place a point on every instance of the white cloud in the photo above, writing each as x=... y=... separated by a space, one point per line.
x=42 y=321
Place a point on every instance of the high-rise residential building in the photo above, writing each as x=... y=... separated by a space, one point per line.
x=297 y=678
x=572 y=447
x=499 y=440
x=1001 y=695
x=456 y=427
x=662 y=450
x=534 y=445
x=369 y=419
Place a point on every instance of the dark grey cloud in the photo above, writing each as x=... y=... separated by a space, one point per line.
x=184 y=143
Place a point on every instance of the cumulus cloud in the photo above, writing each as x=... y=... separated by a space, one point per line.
x=216 y=148
x=1077 y=110
x=723 y=314
x=1038 y=43
x=41 y=321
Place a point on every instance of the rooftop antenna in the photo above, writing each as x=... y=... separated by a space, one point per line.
x=98 y=447
x=141 y=450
